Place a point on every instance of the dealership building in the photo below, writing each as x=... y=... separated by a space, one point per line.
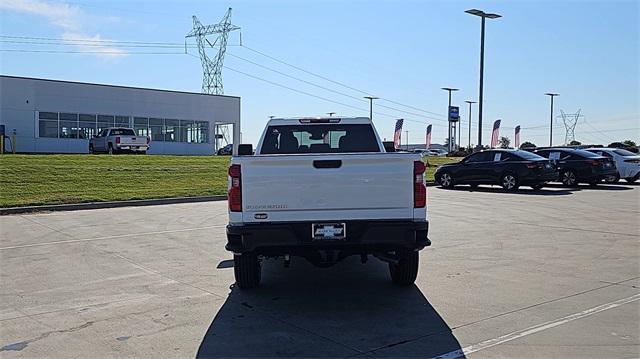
x=49 y=116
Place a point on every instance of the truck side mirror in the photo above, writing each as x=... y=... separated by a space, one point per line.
x=389 y=146
x=245 y=150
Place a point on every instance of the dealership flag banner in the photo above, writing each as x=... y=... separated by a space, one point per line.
x=396 y=133
x=495 y=133
x=517 y=138
x=428 y=136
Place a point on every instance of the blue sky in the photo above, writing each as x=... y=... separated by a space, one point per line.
x=588 y=51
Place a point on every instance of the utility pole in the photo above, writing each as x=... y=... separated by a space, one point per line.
x=484 y=16
x=470 y=103
x=407 y=133
x=449 y=89
x=552 y=95
x=371 y=98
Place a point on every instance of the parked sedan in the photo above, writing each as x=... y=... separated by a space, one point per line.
x=508 y=168
x=627 y=163
x=575 y=166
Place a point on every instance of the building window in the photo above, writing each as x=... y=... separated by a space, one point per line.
x=68 y=125
x=87 y=126
x=155 y=129
x=141 y=126
x=104 y=121
x=186 y=131
x=122 y=121
x=201 y=132
x=48 y=124
x=171 y=130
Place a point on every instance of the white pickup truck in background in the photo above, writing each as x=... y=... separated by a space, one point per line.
x=118 y=139
x=325 y=189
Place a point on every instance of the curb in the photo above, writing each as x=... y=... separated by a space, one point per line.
x=112 y=204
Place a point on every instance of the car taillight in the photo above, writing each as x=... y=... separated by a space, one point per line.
x=117 y=140
x=532 y=165
x=419 y=189
x=235 y=191
x=595 y=162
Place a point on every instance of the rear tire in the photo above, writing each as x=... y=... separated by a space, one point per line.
x=446 y=181
x=247 y=270
x=110 y=149
x=509 y=182
x=406 y=271
x=91 y=150
x=569 y=179
x=612 y=179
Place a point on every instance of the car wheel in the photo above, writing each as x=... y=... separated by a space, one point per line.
x=568 y=178
x=446 y=181
x=537 y=187
x=406 y=271
x=612 y=179
x=91 y=150
x=110 y=150
x=247 y=270
x=509 y=182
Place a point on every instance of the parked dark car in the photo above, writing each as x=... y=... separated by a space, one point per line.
x=508 y=168
x=575 y=166
x=226 y=150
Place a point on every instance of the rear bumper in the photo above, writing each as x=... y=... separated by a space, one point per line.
x=539 y=178
x=295 y=237
x=597 y=174
x=133 y=148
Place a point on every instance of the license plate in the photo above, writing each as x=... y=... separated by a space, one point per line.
x=328 y=231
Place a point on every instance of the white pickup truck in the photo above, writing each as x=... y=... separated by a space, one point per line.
x=325 y=189
x=118 y=139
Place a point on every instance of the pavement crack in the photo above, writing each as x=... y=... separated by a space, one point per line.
x=23 y=344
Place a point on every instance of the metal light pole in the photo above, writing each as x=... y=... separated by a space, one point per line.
x=407 y=132
x=371 y=98
x=552 y=95
x=449 y=89
x=483 y=15
x=470 y=103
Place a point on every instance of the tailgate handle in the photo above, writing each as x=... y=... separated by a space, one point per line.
x=327 y=164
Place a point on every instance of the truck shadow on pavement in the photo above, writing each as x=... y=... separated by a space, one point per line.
x=347 y=310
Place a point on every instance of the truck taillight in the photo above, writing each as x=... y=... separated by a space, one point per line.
x=419 y=189
x=117 y=140
x=235 y=191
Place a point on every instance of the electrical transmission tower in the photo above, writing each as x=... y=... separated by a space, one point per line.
x=212 y=68
x=570 y=121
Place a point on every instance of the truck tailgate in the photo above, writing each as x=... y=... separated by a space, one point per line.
x=133 y=140
x=327 y=187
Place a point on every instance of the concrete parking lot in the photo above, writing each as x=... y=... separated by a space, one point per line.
x=554 y=273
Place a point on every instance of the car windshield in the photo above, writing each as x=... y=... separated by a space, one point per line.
x=625 y=153
x=334 y=138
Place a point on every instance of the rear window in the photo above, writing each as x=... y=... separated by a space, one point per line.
x=319 y=139
x=625 y=153
x=122 y=132
x=528 y=155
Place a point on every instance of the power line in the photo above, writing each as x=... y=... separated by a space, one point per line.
x=93 y=52
x=333 y=81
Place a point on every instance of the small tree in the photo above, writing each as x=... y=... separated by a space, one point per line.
x=575 y=143
x=504 y=142
x=527 y=145
x=629 y=143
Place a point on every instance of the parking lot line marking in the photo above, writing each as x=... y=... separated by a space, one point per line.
x=108 y=237
x=535 y=329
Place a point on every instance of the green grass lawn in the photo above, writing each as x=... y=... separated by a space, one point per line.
x=54 y=179
x=434 y=162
